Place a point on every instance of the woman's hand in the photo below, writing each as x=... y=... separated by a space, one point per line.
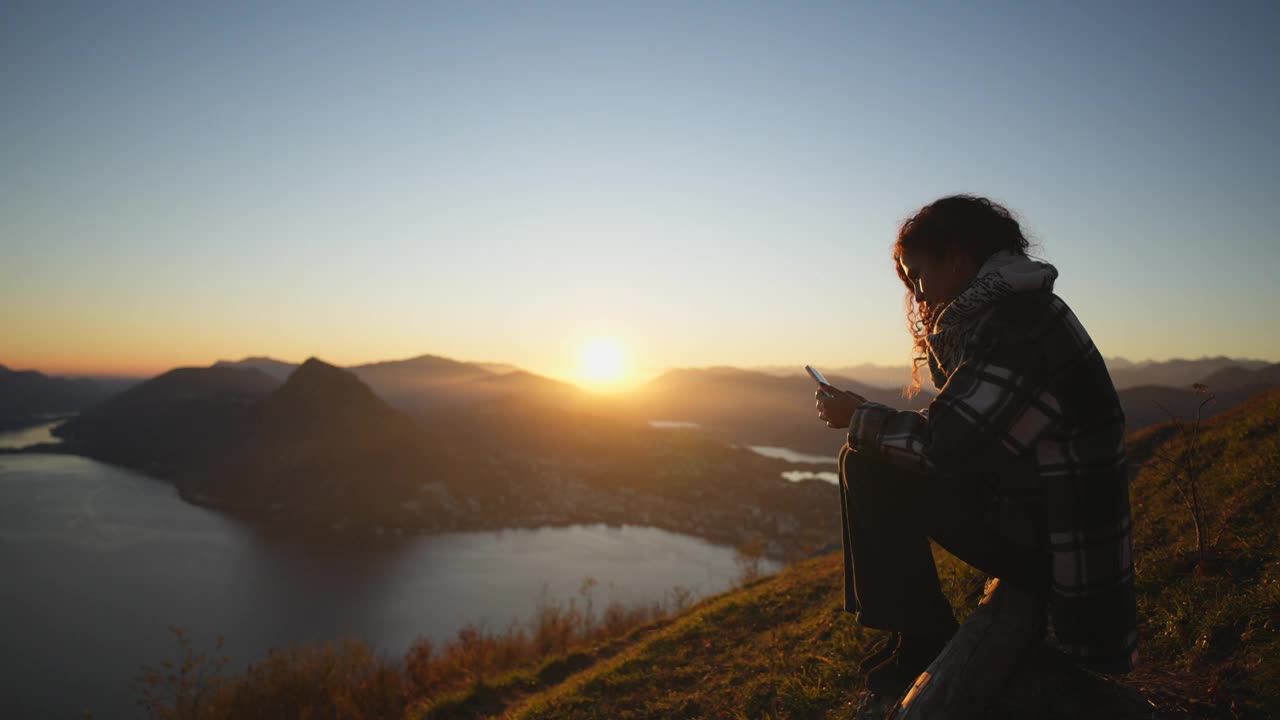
x=836 y=407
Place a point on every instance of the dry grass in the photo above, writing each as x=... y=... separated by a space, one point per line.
x=348 y=680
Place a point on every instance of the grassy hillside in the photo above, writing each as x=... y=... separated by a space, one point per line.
x=782 y=647
x=1211 y=623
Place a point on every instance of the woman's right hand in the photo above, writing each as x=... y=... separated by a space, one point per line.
x=835 y=406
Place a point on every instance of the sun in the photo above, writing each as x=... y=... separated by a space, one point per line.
x=601 y=362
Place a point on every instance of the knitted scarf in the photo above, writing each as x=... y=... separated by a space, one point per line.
x=1001 y=275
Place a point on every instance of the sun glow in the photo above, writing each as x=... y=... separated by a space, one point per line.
x=601 y=363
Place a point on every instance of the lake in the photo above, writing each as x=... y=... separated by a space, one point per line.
x=779 y=453
x=99 y=560
x=33 y=435
x=793 y=456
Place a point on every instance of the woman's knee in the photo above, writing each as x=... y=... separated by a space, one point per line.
x=858 y=469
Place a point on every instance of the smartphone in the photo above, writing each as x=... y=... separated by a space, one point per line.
x=822 y=382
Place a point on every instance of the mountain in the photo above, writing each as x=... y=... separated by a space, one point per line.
x=431 y=384
x=1235 y=377
x=321 y=446
x=530 y=387
x=278 y=369
x=1176 y=373
x=417 y=373
x=27 y=396
x=325 y=449
x=497 y=368
x=174 y=422
x=754 y=408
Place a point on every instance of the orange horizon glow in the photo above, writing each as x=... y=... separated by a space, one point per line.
x=594 y=373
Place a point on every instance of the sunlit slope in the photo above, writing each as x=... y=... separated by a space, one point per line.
x=783 y=647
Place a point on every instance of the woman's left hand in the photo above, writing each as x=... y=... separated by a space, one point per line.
x=836 y=407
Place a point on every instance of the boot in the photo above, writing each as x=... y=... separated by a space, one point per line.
x=882 y=651
x=913 y=654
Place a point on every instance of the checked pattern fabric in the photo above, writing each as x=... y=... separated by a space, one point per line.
x=1029 y=410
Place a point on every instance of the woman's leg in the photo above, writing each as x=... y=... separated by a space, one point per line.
x=890 y=580
x=888 y=516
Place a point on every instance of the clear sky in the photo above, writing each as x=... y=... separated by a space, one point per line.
x=705 y=183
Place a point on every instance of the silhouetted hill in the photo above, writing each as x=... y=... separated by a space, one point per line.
x=1234 y=377
x=278 y=369
x=754 y=408
x=27 y=396
x=1149 y=405
x=530 y=387
x=325 y=449
x=497 y=368
x=415 y=374
x=429 y=384
x=174 y=422
x=1178 y=373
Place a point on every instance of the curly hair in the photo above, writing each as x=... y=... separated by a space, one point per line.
x=972 y=225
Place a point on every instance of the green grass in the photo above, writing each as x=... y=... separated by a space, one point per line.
x=1213 y=627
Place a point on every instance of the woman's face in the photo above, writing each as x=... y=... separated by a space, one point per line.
x=936 y=279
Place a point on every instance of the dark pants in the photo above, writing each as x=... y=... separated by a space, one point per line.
x=889 y=515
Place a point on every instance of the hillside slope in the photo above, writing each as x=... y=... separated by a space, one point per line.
x=783 y=647
x=183 y=418
x=28 y=397
x=323 y=448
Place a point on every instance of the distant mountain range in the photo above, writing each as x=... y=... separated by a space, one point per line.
x=321 y=450
x=430 y=443
x=27 y=396
x=1176 y=373
x=319 y=446
x=429 y=383
x=471 y=402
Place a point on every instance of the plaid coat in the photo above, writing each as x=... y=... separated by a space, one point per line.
x=1030 y=410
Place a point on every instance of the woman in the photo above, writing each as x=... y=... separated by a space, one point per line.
x=1017 y=467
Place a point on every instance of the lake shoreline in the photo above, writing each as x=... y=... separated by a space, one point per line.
x=277 y=521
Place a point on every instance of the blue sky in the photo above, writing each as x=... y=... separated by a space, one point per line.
x=705 y=183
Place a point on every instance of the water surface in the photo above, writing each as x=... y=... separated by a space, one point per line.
x=99 y=560
x=32 y=435
x=793 y=456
